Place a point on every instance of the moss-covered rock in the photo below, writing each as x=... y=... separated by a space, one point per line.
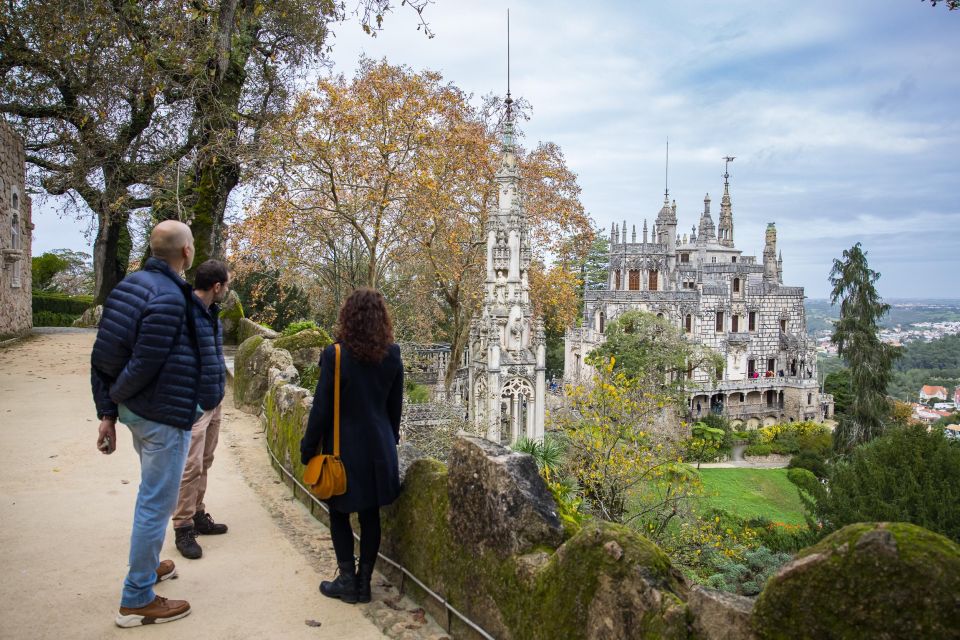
x=247 y=328
x=257 y=367
x=605 y=582
x=886 y=580
x=286 y=409
x=231 y=312
x=305 y=347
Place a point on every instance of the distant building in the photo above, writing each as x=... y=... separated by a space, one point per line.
x=928 y=392
x=734 y=303
x=956 y=397
x=16 y=233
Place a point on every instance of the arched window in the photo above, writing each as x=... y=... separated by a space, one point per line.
x=15 y=200
x=736 y=285
x=634 y=279
x=653 y=279
x=603 y=319
x=688 y=323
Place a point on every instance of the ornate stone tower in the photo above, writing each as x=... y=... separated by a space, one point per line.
x=771 y=270
x=725 y=230
x=507 y=355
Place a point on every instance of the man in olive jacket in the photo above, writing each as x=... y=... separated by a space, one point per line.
x=145 y=373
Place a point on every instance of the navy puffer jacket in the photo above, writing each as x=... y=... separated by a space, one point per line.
x=146 y=356
x=213 y=370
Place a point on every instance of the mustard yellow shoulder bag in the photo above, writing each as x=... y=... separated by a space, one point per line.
x=325 y=474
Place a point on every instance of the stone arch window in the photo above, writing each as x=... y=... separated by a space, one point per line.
x=736 y=285
x=660 y=315
x=634 y=279
x=688 y=323
x=752 y=321
x=517 y=395
x=718 y=324
x=603 y=321
x=734 y=323
x=809 y=398
x=653 y=280
x=15 y=201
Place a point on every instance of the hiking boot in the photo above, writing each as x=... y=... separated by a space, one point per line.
x=364 y=574
x=205 y=525
x=345 y=585
x=166 y=570
x=187 y=542
x=158 y=611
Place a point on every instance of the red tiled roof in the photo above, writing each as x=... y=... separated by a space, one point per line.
x=930 y=390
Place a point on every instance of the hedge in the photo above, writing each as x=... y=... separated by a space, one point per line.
x=53 y=319
x=60 y=303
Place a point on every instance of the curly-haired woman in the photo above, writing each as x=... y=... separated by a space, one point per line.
x=371 y=393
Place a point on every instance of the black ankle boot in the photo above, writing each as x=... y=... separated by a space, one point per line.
x=345 y=585
x=363 y=582
x=186 y=538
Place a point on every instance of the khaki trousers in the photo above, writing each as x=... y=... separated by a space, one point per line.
x=203 y=441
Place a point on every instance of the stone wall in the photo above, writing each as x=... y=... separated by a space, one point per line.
x=482 y=533
x=16 y=234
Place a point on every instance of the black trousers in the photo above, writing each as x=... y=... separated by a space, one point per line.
x=342 y=534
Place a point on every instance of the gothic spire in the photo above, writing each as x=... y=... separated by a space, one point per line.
x=725 y=229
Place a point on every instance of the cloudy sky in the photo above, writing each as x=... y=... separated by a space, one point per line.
x=844 y=117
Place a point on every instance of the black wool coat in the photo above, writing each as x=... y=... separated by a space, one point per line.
x=371 y=396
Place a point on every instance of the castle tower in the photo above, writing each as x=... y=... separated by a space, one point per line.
x=771 y=271
x=707 y=231
x=725 y=230
x=507 y=356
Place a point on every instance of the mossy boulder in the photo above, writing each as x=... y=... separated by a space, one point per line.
x=231 y=312
x=257 y=367
x=286 y=409
x=606 y=581
x=305 y=347
x=247 y=328
x=502 y=503
x=878 y=581
x=717 y=615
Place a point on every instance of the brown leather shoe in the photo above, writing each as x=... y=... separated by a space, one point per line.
x=158 y=611
x=166 y=570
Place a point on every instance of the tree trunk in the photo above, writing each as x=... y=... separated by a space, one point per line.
x=111 y=254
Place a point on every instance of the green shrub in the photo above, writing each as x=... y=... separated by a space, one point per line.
x=309 y=377
x=416 y=393
x=301 y=325
x=906 y=475
x=758 y=450
x=781 y=536
x=60 y=303
x=53 y=319
x=811 y=461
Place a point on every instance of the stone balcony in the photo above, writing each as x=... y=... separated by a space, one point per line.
x=762 y=384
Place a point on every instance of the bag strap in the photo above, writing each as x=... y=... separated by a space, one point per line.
x=336 y=403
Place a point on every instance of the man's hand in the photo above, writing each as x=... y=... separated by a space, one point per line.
x=107 y=438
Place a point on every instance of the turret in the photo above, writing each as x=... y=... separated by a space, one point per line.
x=780 y=268
x=771 y=273
x=725 y=230
x=707 y=230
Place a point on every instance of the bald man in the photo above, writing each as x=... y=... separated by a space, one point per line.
x=146 y=373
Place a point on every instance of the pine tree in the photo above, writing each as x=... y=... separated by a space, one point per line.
x=869 y=360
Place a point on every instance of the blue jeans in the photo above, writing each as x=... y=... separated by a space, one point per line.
x=163 y=452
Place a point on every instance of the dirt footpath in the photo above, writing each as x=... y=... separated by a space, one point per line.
x=66 y=512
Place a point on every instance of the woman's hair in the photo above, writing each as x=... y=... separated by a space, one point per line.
x=364 y=325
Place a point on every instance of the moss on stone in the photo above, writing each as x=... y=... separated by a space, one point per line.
x=241 y=368
x=554 y=601
x=887 y=580
x=230 y=316
x=285 y=427
x=309 y=339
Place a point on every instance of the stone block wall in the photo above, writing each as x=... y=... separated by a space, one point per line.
x=16 y=234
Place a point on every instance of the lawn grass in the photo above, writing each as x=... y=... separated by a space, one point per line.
x=752 y=493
